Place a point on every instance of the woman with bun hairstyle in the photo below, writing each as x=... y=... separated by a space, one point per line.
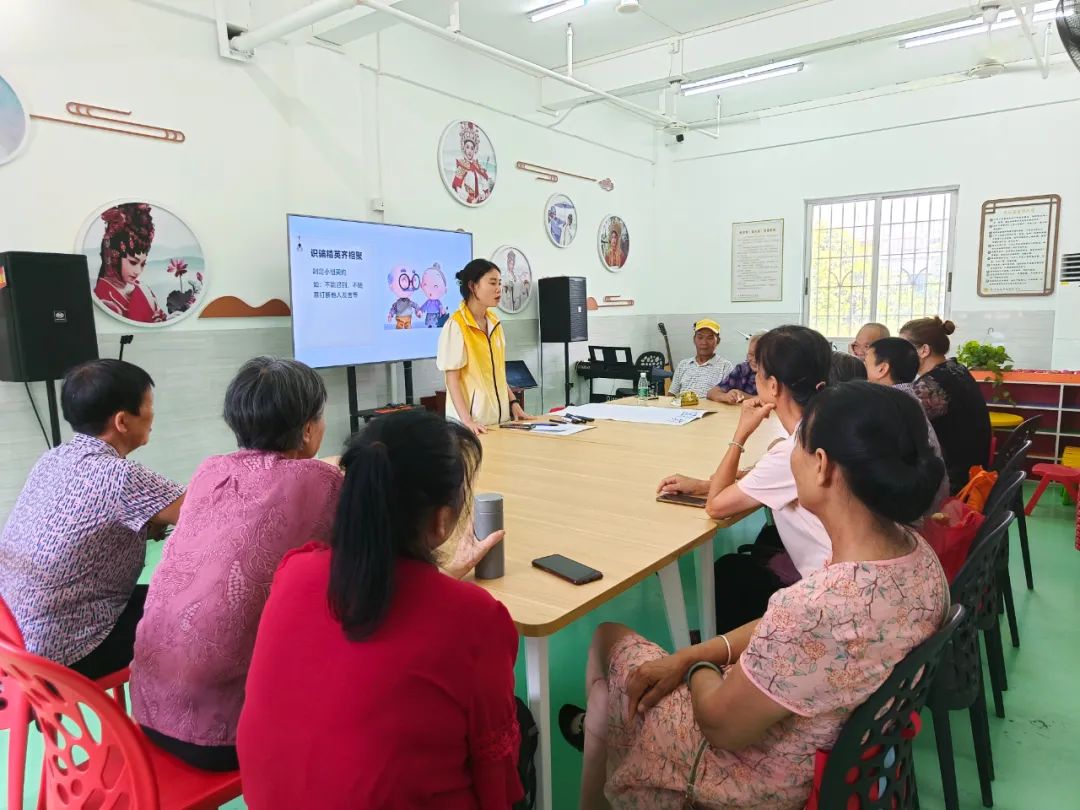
x=472 y=353
x=793 y=367
x=951 y=398
x=735 y=721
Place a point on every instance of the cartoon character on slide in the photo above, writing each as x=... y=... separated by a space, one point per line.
x=433 y=284
x=402 y=281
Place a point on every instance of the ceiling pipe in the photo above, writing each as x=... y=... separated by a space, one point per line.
x=569 y=50
x=287 y=24
x=525 y=65
x=321 y=9
x=1025 y=16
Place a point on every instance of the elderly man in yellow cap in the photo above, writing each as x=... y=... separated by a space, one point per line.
x=703 y=371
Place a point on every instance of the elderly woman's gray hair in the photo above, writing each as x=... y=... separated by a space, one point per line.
x=270 y=401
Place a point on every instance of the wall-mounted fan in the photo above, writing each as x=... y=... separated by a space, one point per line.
x=1068 y=25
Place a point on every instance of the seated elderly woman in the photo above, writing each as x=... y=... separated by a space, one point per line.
x=243 y=511
x=734 y=722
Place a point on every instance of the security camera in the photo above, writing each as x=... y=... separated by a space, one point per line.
x=679 y=138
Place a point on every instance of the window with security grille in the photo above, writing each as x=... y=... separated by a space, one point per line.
x=882 y=258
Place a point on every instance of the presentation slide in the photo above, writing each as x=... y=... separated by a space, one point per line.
x=364 y=292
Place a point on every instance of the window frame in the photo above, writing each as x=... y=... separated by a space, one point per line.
x=877 y=199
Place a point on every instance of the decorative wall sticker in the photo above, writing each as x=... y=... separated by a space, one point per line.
x=229 y=306
x=125 y=126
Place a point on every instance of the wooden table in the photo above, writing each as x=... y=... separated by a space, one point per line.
x=591 y=497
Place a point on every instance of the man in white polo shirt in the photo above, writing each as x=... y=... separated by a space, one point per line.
x=706 y=369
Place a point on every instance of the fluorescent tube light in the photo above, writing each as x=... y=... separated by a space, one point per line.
x=555 y=8
x=1044 y=12
x=756 y=74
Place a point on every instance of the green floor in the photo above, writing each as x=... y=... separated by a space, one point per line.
x=1036 y=748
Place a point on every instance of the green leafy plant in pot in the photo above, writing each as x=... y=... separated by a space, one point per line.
x=994 y=359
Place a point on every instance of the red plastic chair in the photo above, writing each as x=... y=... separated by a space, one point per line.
x=15 y=714
x=118 y=766
x=1068 y=477
x=15 y=717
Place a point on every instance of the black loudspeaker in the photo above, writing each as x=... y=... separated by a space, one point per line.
x=563 y=310
x=46 y=315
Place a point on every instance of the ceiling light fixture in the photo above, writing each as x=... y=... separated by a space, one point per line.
x=756 y=74
x=1044 y=12
x=555 y=8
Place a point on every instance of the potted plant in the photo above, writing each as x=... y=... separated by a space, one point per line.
x=987 y=357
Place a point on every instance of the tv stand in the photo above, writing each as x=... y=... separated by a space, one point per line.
x=355 y=414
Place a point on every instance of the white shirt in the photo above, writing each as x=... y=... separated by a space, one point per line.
x=772 y=483
x=690 y=375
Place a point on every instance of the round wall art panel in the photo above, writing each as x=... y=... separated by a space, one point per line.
x=467 y=163
x=517 y=278
x=146 y=265
x=613 y=241
x=14 y=123
x=561 y=220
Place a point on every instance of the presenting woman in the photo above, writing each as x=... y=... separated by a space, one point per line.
x=472 y=353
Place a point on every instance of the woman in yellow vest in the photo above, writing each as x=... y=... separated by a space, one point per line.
x=472 y=353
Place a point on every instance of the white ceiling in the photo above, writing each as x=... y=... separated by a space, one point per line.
x=598 y=28
x=840 y=59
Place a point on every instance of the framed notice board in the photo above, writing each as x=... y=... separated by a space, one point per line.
x=1018 y=245
x=757 y=260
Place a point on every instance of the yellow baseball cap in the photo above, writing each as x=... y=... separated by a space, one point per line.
x=708 y=323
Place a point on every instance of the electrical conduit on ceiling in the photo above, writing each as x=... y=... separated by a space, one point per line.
x=322 y=9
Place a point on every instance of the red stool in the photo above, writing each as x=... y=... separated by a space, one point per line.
x=1068 y=477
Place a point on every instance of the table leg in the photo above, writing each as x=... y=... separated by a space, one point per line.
x=671 y=584
x=706 y=590
x=536 y=679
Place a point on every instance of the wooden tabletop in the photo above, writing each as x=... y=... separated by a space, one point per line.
x=592 y=497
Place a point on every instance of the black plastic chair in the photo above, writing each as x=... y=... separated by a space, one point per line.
x=990 y=607
x=874 y=745
x=959 y=681
x=647 y=362
x=1007 y=494
x=1013 y=454
x=1024 y=432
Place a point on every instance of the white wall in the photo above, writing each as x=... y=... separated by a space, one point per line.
x=1010 y=136
x=300 y=129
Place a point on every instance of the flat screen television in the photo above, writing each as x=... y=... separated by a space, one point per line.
x=366 y=292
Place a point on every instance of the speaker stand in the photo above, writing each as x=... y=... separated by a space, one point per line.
x=406 y=367
x=566 y=366
x=54 y=411
x=354 y=407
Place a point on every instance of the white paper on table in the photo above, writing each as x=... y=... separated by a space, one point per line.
x=559 y=430
x=634 y=413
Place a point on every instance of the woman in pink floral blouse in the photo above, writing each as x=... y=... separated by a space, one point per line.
x=735 y=722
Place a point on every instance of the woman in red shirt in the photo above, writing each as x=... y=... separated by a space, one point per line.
x=377 y=680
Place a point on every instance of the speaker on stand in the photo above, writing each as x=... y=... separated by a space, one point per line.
x=46 y=321
x=563 y=316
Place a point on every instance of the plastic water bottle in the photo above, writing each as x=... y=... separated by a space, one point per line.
x=642 y=386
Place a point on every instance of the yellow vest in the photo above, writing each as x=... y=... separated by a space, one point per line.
x=484 y=376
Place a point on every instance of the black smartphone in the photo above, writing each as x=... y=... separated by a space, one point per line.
x=683 y=500
x=565 y=568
